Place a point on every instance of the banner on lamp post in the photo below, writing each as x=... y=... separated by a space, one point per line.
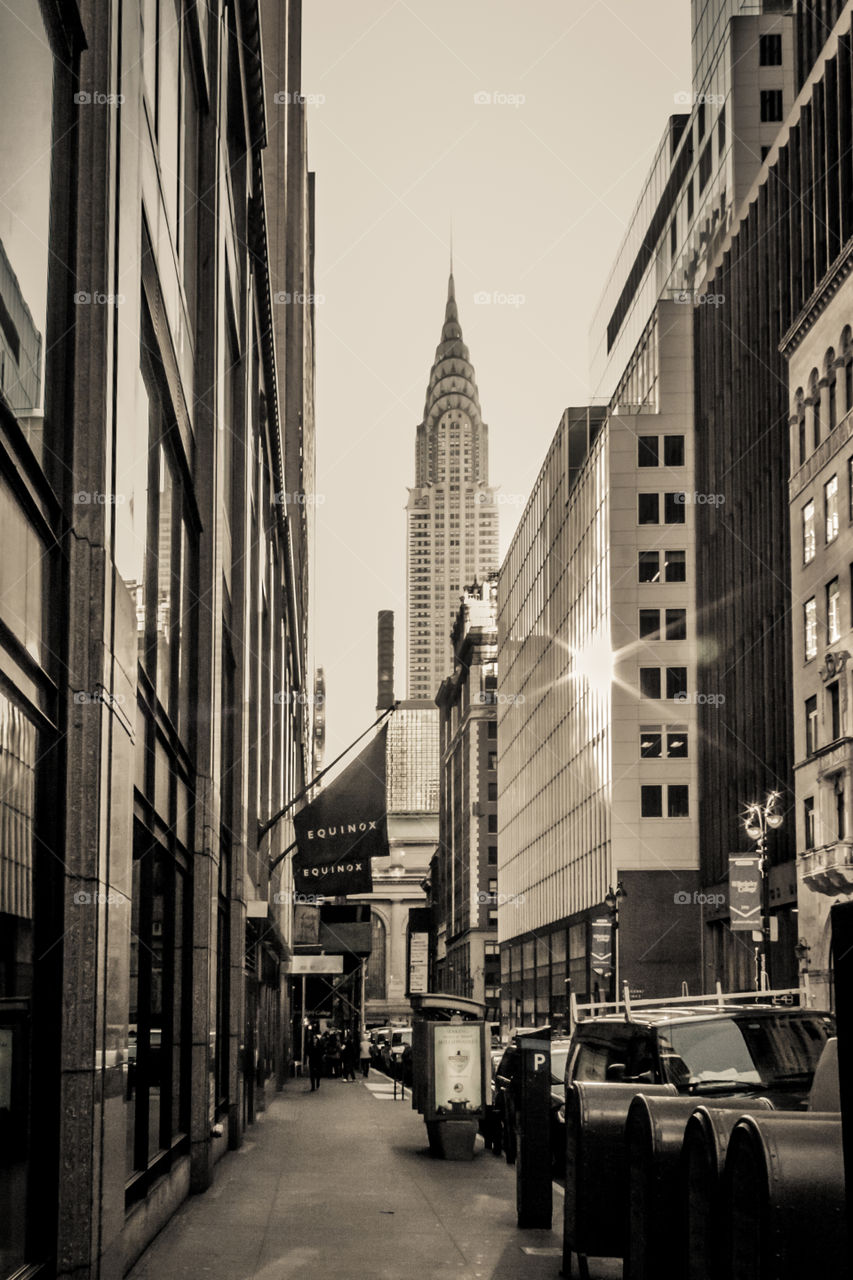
x=602 y=946
x=745 y=893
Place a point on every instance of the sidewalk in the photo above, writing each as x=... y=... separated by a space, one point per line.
x=339 y=1185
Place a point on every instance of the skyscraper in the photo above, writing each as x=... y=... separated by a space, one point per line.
x=452 y=517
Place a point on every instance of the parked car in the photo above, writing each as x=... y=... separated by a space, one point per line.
x=757 y=1050
x=378 y=1036
x=393 y=1049
x=505 y=1102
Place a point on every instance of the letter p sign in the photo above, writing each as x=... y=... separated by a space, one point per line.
x=538 y=1061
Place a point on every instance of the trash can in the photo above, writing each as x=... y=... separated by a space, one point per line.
x=783 y=1204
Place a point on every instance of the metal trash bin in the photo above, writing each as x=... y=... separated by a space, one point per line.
x=595 y=1214
x=655 y=1244
x=783 y=1198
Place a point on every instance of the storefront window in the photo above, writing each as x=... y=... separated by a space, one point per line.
x=157 y=1085
x=23 y=575
x=18 y=753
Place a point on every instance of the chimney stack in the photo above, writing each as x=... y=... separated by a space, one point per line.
x=385 y=670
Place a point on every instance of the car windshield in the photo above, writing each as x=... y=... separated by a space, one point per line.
x=558 y=1064
x=770 y=1050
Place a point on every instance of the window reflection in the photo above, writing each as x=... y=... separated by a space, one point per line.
x=26 y=106
x=164 y=578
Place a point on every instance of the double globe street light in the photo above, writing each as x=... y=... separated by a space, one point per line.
x=761 y=818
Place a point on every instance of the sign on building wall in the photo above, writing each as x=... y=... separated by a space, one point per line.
x=418 y=963
x=744 y=892
x=314 y=964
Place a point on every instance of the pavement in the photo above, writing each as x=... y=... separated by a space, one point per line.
x=340 y=1184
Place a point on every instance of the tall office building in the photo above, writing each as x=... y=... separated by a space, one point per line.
x=706 y=162
x=452 y=518
x=597 y=710
x=153 y=615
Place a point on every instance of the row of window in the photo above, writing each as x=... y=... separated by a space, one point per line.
x=652 y=450
x=832 y=601
x=649 y=506
x=833 y=707
x=669 y=682
x=840 y=832
x=674 y=624
x=658 y=740
x=831 y=514
x=672 y=569
x=677 y=801
x=813 y=399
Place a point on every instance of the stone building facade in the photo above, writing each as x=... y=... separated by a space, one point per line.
x=464 y=877
x=153 y=631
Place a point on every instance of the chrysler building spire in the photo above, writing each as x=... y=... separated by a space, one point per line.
x=452 y=516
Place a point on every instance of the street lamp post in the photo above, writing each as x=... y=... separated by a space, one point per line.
x=611 y=901
x=761 y=818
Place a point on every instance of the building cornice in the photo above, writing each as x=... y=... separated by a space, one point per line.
x=819 y=300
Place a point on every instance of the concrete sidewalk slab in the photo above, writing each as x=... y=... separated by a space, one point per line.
x=340 y=1185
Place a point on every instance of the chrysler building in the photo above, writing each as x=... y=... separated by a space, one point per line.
x=452 y=516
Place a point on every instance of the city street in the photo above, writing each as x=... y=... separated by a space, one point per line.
x=341 y=1184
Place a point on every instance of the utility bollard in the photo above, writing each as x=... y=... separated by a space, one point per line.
x=533 y=1164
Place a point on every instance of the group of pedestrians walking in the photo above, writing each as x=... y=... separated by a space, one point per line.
x=337 y=1054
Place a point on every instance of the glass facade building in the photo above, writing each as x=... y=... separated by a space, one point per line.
x=152 y=624
x=596 y=704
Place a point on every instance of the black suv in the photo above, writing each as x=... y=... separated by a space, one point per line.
x=707 y=1050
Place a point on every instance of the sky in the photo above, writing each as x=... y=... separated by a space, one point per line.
x=528 y=129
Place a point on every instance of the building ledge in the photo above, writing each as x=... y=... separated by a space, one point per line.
x=829 y=868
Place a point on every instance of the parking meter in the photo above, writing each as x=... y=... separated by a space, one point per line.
x=533 y=1163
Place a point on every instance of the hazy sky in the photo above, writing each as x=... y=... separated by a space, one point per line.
x=539 y=182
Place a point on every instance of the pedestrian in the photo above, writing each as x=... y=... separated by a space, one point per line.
x=350 y=1056
x=315 y=1062
x=333 y=1054
x=364 y=1053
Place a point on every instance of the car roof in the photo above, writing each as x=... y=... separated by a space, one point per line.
x=700 y=1013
